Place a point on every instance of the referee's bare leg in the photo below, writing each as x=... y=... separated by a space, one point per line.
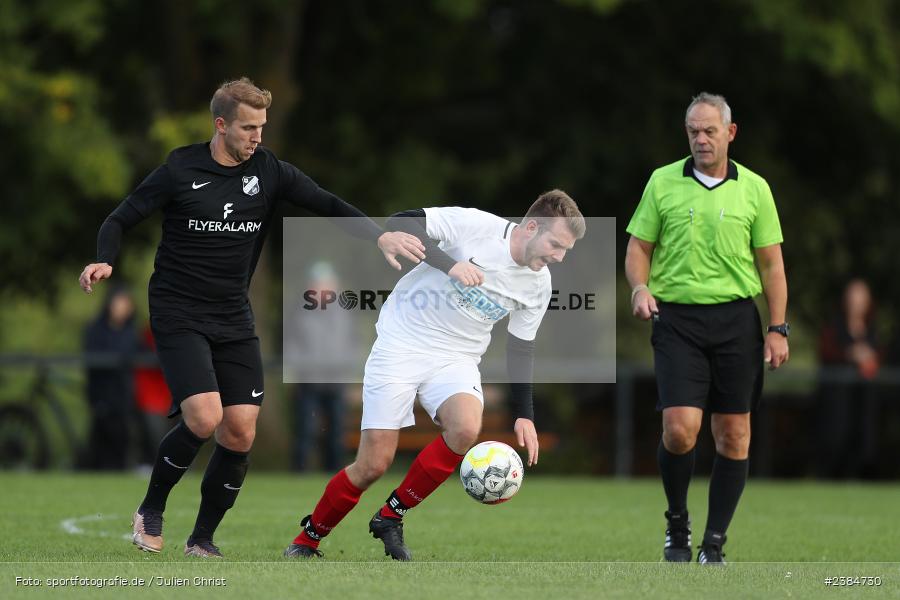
x=729 y=473
x=681 y=426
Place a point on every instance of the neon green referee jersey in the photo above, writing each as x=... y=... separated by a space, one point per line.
x=705 y=237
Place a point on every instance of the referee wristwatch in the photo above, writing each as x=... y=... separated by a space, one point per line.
x=784 y=329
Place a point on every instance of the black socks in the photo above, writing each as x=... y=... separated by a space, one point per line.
x=176 y=453
x=676 y=471
x=221 y=483
x=726 y=483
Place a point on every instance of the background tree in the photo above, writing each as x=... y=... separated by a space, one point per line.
x=484 y=103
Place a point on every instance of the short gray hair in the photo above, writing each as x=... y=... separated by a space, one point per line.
x=714 y=100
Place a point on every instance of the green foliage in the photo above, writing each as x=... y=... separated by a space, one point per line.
x=473 y=102
x=78 y=20
x=599 y=6
x=73 y=137
x=460 y=10
x=853 y=40
x=170 y=131
x=68 y=160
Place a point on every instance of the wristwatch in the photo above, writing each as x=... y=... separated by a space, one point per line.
x=784 y=329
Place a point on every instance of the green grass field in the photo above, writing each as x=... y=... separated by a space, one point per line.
x=559 y=538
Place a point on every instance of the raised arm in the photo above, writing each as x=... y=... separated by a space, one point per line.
x=302 y=191
x=414 y=222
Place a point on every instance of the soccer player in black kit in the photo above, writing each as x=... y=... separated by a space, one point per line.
x=218 y=199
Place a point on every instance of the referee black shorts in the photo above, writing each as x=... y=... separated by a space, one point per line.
x=197 y=358
x=709 y=356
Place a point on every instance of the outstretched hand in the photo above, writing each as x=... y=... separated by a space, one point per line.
x=526 y=435
x=467 y=274
x=394 y=243
x=93 y=273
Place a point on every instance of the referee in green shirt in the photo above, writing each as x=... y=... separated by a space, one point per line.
x=690 y=264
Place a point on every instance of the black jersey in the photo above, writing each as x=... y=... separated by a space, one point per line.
x=214 y=223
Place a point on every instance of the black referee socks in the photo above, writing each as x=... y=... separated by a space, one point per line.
x=676 y=471
x=223 y=480
x=176 y=453
x=726 y=484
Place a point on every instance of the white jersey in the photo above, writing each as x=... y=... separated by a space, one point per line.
x=429 y=310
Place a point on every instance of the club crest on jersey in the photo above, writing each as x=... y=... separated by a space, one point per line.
x=251 y=185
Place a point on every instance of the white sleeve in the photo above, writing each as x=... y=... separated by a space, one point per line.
x=453 y=223
x=524 y=323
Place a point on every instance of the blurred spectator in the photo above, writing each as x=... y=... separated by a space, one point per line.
x=317 y=343
x=153 y=403
x=850 y=359
x=319 y=408
x=111 y=338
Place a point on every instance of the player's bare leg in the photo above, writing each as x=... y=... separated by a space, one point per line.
x=224 y=476
x=460 y=419
x=377 y=448
x=202 y=413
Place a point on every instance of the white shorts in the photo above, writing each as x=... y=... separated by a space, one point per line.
x=392 y=381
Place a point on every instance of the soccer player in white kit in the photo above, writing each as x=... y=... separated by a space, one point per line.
x=432 y=332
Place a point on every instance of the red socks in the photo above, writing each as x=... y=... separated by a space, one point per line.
x=431 y=468
x=339 y=499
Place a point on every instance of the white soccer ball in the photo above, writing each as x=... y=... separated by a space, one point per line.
x=491 y=472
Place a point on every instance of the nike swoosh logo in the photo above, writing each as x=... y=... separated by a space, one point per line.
x=166 y=459
x=256 y=394
x=231 y=487
x=472 y=260
x=476 y=389
x=197 y=187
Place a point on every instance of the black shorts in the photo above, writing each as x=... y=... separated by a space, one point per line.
x=709 y=356
x=196 y=358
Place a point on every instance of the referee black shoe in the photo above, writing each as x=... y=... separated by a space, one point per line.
x=678 y=538
x=390 y=531
x=711 y=549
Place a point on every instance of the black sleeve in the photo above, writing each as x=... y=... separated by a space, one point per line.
x=150 y=195
x=520 y=368
x=413 y=222
x=298 y=189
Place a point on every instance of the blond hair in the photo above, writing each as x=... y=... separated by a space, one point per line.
x=553 y=205
x=231 y=94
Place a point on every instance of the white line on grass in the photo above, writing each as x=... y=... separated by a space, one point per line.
x=73 y=526
x=412 y=564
